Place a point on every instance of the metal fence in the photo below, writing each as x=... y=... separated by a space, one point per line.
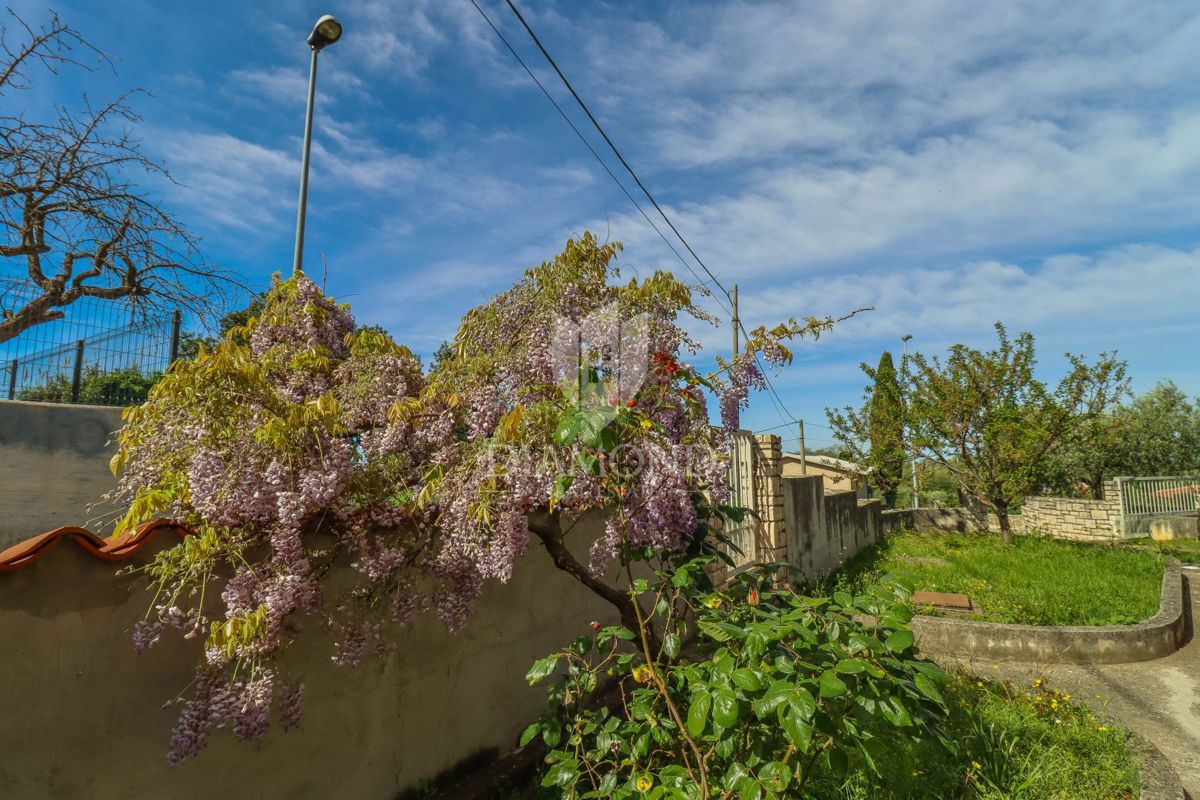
x=1144 y=499
x=102 y=352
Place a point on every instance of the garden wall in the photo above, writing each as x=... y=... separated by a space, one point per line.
x=83 y=717
x=53 y=465
x=1071 y=518
x=824 y=530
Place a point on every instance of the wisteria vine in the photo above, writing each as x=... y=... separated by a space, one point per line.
x=303 y=444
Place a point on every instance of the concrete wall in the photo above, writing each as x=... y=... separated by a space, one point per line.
x=823 y=530
x=53 y=465
x=958 y=520
x=83 y=717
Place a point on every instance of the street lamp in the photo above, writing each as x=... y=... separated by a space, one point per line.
x=916 y=498
x=327 y=31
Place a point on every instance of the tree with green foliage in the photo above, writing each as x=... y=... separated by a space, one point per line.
x=1158 y=433
x=886 y=430
x=128 y=386
x=998 y=429
x=190 y=343
x=873 y=435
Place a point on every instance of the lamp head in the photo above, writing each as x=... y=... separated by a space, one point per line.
x=327 y=31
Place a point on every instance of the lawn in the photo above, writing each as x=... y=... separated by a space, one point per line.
x=1035 y=580
x=1011 y=743
x=1186 y=550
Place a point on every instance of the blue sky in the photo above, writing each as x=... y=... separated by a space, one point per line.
x=951 y=164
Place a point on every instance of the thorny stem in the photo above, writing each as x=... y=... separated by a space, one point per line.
x=662 y=689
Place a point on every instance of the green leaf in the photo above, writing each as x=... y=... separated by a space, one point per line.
x=698 y=708
x=750 y=790
x=541 y=668
x=671 y=645
x=899 y=641
x=803 y=703
x=799 y=731
x=851 y=666
x=775 y=776
x=746 y=679
x=725 y=707
x=530 y=732
x=776 y=695
x=831 y=685
x=895 y=712
x=929 y=689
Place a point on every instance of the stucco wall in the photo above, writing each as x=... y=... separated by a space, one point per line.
x=53 y=465
x=83 y=718
x=824 y=530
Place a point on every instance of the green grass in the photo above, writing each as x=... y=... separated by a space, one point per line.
x=1035 y=580
x=1186 y=550
x=1011 y=745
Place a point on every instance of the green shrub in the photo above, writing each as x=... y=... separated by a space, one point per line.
x=778 y=687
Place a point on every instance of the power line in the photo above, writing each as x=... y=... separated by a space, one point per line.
x=586 y=143
x=775 y=398
x=613 y=147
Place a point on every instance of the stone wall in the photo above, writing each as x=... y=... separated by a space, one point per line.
x=1072 y=518
x=53 y=466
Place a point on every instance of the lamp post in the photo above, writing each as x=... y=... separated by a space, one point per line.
x=916 y=498
x=327 y=31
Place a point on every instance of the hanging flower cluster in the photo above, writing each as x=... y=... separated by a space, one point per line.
x=281 y=431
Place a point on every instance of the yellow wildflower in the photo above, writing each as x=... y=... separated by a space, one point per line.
x=979 y=683
x=644 y=783
x=713 y=602
x=647 y=424
x=976 y=765
x=1101 y=727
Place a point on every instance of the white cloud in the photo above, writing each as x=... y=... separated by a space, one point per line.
x=1127 y=291
x=232 y=182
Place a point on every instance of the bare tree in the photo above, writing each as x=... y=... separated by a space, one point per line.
x=72 y=220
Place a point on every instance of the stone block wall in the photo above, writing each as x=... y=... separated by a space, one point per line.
x=797 y=521
x=1072 y=518
x=768 y=466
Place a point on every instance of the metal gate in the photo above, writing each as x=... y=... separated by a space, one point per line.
x=1145 y=499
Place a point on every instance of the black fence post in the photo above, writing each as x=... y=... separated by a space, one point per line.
x=176 y=322
x=77 y=379
x=12 y=380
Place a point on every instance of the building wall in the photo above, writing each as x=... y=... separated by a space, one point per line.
x=835 y=480
x=84 y=718
x=53 y=465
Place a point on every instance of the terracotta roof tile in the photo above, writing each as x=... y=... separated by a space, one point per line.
x=114 y=548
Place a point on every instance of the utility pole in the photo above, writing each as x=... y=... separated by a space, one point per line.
x=736 y=322
x=803 y=457
x=734 y=454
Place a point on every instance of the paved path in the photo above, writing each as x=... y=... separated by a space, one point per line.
x=1158 y=699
